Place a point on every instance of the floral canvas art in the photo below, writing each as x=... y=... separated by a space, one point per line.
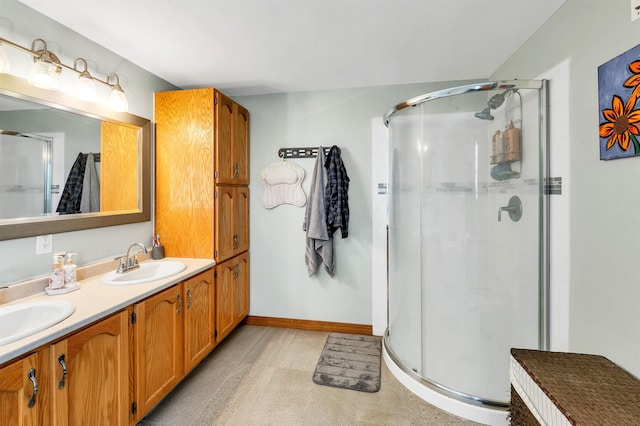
x=618 y=93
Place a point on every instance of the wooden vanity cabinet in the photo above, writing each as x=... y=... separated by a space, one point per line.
x=199 y=318
x=23 y=385
x=113 y=372
x=90 y=379
x=158 y=350
x=232 y=294
x=82 y=379
x=173 y=332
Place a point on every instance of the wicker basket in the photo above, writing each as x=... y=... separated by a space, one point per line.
x=587 y=389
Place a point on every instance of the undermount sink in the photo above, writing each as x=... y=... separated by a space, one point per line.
x=24 y=319
x=148 y=271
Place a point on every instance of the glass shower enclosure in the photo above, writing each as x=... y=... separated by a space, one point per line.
x=25 y=175
x=467 y=238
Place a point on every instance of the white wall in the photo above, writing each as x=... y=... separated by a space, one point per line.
x=604 y=199
x=280 y=285
x=22 y=25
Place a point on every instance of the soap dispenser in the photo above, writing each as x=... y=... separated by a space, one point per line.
x=70 y=271
x=56 y=275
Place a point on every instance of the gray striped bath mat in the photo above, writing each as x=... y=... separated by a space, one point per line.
x=350 y=361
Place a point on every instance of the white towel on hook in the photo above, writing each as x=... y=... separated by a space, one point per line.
x=282 y=183
x=319 y=248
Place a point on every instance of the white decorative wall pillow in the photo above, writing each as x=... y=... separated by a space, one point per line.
x=282 y=184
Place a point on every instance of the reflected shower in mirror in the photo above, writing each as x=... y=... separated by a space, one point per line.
x=26 y=166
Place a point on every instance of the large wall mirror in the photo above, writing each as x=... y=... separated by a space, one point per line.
x=68 y=165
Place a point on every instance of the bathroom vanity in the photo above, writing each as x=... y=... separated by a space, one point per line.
x=122 y=350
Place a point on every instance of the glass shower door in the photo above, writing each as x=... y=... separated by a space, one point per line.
x=464 y=272
x=25 y=176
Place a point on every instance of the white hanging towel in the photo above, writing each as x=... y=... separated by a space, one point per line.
x=282 y=183
x=319 y=245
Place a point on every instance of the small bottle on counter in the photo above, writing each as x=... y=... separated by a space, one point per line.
x=70 y=271
x=56 y=275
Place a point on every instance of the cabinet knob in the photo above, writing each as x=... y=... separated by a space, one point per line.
x=236 y=241
x=189 y=298
x=236 y=170
x=179 y=304
x=32 y=376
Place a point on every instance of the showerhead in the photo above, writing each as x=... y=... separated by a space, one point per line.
x=497 y=100
x=485 y=114
x=494 y=102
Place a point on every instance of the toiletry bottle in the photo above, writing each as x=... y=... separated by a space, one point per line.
x=56 y=275
x=496 y=148
x=512 y=143
x=70 y=271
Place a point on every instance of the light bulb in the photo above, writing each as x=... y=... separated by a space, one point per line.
x=4 y=60
x=43 y=75
x=85 y=88
x=118 y=100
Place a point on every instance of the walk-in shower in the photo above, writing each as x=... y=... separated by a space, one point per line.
x=467 y=241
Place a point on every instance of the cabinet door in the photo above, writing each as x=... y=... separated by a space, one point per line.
x=224 y=241
x=232 y=221
x=158 y=347
x=240 y=154
x=224 y=299
x=20 y=383
x=241 y=220
x=240 y=288
x=199 y=320
x=232 y=141
x=184 y=153
x=224 y=138
x=91 y=374
x=232 y=294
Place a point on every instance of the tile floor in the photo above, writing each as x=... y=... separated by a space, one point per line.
x=263 y=376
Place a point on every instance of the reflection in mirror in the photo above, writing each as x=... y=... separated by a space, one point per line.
x=25 y=174
x=68 y=165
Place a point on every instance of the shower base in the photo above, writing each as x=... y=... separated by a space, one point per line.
x=428 y=392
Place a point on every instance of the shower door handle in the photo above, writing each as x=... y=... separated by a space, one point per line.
x=514 y=208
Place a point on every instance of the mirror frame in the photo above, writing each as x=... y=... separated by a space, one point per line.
x=16 y=87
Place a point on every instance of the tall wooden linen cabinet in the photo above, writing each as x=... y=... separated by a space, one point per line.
x=202 y=191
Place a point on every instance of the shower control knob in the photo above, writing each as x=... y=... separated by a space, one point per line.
x=514 y=208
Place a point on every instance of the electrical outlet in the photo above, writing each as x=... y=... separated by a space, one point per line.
x=44 y=244
x=635 y=10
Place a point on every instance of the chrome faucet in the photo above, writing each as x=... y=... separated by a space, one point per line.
x=131 y=257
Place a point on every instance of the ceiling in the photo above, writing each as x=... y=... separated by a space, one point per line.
x=249 y=47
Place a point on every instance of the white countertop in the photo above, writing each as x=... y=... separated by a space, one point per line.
x=94 y=301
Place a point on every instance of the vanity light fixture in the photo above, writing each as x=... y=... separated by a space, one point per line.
x=47 y=67
x=117 y=99
x=84 y=89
